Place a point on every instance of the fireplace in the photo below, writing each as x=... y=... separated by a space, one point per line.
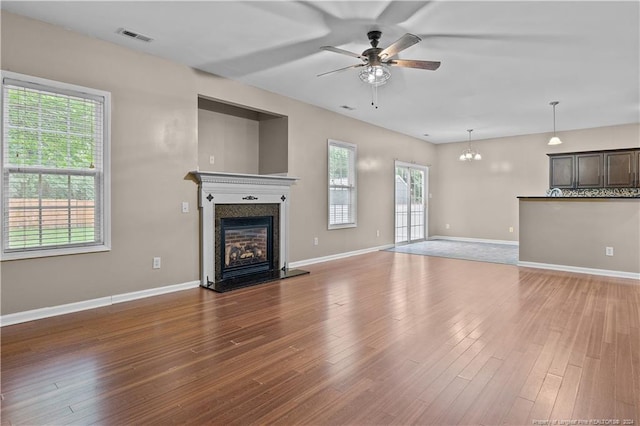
x=246 y=245
x=244 y=229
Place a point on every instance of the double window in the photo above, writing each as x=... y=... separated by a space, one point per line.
x=342 y=185
x=55 y=163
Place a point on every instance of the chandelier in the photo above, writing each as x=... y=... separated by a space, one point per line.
x=470 y=154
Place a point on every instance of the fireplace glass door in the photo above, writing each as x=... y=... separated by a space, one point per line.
x=248 y=245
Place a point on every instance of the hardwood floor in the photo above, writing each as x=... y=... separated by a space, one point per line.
x=382 y=338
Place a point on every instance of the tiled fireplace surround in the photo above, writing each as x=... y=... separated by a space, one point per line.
x=244 y=195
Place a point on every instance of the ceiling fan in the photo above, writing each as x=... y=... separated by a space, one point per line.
x=378 y=57
x=376 y=61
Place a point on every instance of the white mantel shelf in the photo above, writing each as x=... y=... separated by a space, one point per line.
x=243 y=178
x=238 y=188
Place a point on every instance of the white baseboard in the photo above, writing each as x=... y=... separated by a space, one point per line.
x=125 y=297
x=474 y=240
x=338 y=256
x=52 y=311
x=581 y=270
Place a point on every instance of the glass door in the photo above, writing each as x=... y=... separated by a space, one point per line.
x=410 y=203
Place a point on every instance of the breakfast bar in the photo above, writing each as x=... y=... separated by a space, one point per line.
x=599 y=235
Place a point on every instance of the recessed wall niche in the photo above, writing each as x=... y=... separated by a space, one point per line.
x=238 y=139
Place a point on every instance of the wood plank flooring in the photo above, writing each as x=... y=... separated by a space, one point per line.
x=382 y=338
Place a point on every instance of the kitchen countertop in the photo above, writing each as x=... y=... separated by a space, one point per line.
x=544 y=197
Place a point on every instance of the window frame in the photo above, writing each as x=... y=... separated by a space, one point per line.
x=353 y=186
x=103 y=193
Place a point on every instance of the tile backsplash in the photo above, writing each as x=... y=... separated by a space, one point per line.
x=599 y=192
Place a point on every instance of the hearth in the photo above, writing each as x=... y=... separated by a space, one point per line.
x=244 y=229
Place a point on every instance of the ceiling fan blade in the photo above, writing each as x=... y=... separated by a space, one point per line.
x=410 y=63
x=341 y=69
x=398 y=12
x=399 y=45
x=341 y=51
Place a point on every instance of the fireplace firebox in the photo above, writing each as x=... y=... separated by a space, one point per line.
x=247 y=245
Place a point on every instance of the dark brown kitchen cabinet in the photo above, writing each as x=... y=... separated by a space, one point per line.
x=576 y=171
x=589 y=173
x=621 y=169
x=615 y=168
x=561 y=171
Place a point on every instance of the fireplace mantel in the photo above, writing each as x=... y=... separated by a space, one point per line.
x=236 y=188
x=243 y=179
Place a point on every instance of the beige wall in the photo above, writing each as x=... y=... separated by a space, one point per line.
x=273 y=147
x=478 y=199
x=155 y=145
x=575 y=232
x=233 y=141
x=153 y=136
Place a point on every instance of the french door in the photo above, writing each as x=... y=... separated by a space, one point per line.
x=411 y=183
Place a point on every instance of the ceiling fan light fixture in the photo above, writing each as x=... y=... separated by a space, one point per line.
x=555 y=140
x=375 y=75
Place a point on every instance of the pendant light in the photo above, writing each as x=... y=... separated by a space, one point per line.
x=554 y=140
x=470 y=154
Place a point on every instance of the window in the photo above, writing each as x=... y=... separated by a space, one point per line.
x=342 y=185
x=55 y=163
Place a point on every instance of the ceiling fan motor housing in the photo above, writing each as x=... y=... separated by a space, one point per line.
x=374 y=37
x=372 y=56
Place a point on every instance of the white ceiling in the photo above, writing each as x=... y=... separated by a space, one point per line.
x=502 y=62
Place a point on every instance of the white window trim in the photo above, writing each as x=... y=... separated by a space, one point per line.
x=354 y=148
x=106 y=146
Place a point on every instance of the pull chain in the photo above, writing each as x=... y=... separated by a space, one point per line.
x=374 y=96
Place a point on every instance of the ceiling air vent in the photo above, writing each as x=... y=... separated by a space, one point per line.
x=135 y=35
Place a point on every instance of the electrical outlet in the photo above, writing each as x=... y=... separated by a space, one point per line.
x=608 y=251
x=185 y=207
x=212 y=159
x=156 y=263
x=377 y=233
x=447 y=226
x=511 y=229
x=315 y=241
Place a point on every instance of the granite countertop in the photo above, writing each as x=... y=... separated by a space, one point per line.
x=569 y=197
x=588 y=193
